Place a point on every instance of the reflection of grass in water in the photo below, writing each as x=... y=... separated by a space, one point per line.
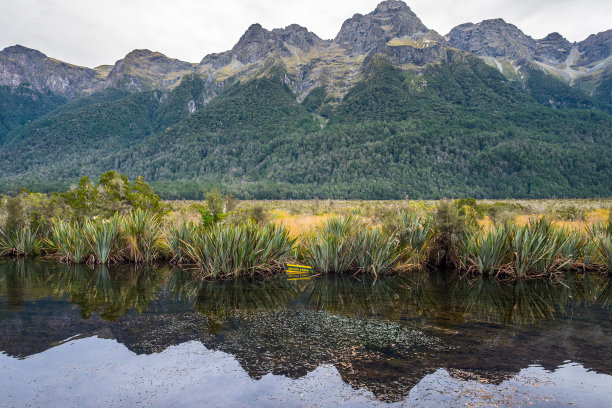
x=112 y=292
x=527 y=302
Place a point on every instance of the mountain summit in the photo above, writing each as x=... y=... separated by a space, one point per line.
x=392 y=18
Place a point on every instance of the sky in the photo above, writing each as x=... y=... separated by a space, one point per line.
x=97 y=32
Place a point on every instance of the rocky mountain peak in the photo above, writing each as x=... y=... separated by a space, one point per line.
x=492 y=38
x=391 y=18
x=554 y=49
x=257 y=43
x=390 y=6
x=19 y=65
x=145 y=69
x=596 y=47
x=22 y=55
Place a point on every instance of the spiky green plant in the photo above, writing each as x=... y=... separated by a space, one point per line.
x=375 y=253
x=70 y=242
x=330 y=247
x=245 y=250
x=141 y=236
x=177 y=236
x=604 y=252
x=342 y=245
x=537 y=249
x=487 y=252
x=20 y=241
x=414 y=230
x=103 y=237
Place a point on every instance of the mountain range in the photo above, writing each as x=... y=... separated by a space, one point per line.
x=387 y=109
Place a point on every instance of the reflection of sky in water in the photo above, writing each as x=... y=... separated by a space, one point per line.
x=101 y=372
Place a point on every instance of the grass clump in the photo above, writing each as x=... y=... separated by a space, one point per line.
x=226 y=251
x=103 y=239
x=20 y=241
x=141 y=235
x=342 y=245
x=69 y=241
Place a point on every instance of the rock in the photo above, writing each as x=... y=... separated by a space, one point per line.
x=554 y=49
x=20 y=65
x=144 y=69
x=492 y=38
x=595 y=48
x=392 y=18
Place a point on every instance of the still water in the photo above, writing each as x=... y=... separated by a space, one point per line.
x=142 y=336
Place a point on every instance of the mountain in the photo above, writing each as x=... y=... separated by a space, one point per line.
x=387 y=109
x=502 y=45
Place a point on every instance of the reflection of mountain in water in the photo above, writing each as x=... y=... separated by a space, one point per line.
x=384 y=335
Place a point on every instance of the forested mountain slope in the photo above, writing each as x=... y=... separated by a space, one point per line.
x=387 y=109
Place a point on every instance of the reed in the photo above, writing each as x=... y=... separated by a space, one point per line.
x=414 y=230
x=330 y=247
x=141 y=236
x=20 y=241
x=103 y=238
x=375 y=253
x=248 y=249
x=69 y=241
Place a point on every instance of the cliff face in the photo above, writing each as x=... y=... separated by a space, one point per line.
x=596 y=47
x=20 y=65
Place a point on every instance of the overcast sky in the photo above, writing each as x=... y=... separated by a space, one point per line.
x=91 y=33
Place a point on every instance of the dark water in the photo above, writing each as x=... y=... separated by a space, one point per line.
x=124 y=337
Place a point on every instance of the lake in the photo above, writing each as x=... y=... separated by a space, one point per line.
x=159 y=336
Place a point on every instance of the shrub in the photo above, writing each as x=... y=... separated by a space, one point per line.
x=344 y=246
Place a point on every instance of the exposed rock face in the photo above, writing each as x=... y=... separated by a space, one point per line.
x=554 y=49
x=595 y=48
x=392 y=18
x=492 y=38
x=20 y=65
x=144 y=69
x=257 y=44
x=306 y=61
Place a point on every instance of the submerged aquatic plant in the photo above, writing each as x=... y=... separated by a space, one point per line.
x=20 y=241
x=70 y=242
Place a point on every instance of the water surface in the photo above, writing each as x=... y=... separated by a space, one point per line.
x=143 y=336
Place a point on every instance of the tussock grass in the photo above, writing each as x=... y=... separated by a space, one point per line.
x=226 y=251
x=20 y=241
x=342 y=245
x=69 y=241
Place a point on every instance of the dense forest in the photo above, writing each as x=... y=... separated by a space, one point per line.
x=452 y=130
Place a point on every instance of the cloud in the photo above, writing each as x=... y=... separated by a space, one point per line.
x=92 y=33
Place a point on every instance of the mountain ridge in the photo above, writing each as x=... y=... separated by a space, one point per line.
x=387 y=108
